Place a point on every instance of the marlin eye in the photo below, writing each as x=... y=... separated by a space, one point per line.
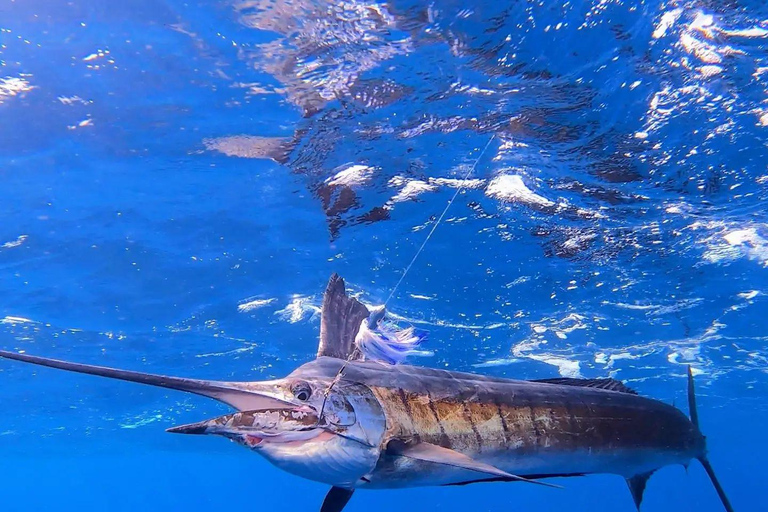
x=302 y=391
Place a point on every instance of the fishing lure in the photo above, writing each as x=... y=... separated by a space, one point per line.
x=382 y=341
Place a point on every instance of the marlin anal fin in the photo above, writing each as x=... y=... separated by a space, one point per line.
x=637 y=486
x=439 y=455
x=336 y=499
x=340 y=320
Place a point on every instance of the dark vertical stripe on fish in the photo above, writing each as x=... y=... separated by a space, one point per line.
x=445 y=441
x=534 y=425
x=469 y=416
x=572 y=427
x=504 y=425
x=409 y=412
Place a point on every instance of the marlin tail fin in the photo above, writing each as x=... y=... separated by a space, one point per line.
x=703 y=457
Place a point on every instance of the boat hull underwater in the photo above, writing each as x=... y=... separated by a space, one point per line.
x=356 y=424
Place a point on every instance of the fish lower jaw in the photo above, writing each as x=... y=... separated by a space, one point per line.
x=252 y=441
x=288 y=439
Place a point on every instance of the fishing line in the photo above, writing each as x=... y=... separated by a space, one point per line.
x=439 y=219
x=356 y=351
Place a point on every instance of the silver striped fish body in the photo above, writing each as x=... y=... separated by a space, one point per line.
x=525 y=428
x=382 y=426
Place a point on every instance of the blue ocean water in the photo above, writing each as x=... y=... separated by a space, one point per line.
x=179 y=180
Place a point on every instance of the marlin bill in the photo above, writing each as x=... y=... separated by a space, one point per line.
x=353 y=423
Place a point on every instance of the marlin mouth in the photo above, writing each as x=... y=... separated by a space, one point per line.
x=201 y=428
x=251 y=428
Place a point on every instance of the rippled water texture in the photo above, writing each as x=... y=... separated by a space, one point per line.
x=180 y=179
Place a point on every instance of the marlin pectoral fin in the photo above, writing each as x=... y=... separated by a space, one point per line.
x=637 y=487
x=439 y=455
x=236 y=394
x=336 y=499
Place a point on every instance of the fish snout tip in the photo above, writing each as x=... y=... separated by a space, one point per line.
x=190 y=428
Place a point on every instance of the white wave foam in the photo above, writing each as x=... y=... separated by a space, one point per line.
x=445 y=323
x=705 y=52
x=252 y=304
x=566 y=367
x=505 y=361
x=13 y=86
x=457 y=183
x=354 y=175
x=411 y=190
x=658 y=309
x=732 y=244
x=140 y=421
x=511 y=188
x=744 y=32
x=666 y=22
x=15 y=320
x=249 y=348
x=73 y=100
x=528 y=349
x=518 y=281
x=300 y=307
x=14 y=243
x=609 y=358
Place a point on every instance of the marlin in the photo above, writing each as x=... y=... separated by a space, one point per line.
x=359 y=424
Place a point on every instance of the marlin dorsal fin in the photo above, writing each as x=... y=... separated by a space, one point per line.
x=432 y=453
x=607 y=384
x=339 y=321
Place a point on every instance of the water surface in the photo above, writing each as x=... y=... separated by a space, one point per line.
x=179 y=179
